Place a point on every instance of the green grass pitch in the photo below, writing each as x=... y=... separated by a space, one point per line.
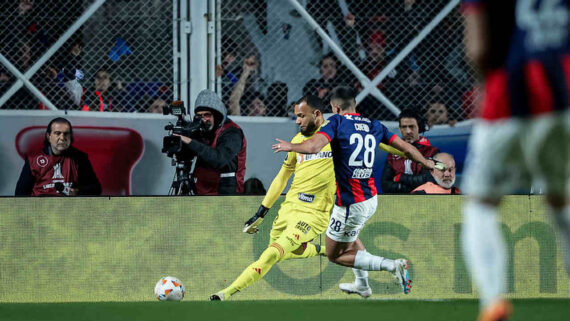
x=290 y=310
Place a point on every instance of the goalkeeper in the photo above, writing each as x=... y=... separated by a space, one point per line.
x=305 y=212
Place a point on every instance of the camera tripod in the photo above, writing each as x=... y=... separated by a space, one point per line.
x=182 y=183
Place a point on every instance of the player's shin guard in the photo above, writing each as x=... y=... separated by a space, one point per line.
x=256 y=270
x=368 y=262
x=484 y=250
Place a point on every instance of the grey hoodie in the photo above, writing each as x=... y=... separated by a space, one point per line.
x=208 y=99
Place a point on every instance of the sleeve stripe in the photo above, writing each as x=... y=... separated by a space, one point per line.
x=326 y=135
x=392 y=138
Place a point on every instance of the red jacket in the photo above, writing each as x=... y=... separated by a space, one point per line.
x=228 y=179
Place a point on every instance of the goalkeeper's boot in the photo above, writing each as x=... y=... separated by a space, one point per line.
x=220 y=296
x=499 y=310
x=401 y=274
x=251 y=226
x=350 y=288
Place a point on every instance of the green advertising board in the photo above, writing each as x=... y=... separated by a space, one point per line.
x=116 y=249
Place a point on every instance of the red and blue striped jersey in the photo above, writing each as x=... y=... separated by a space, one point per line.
x=528 y=56
x=354 y=142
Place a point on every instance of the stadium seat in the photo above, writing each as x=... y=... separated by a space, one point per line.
x=113 y=152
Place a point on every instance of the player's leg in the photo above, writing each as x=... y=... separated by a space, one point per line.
x=306 y=250
x=257 y=269
x=360 y=285
x=290 y=239
x=486 y=178
x=307 y=218
x=253 y=272
x=484 y=248
x=548 y=156
x=344 y=249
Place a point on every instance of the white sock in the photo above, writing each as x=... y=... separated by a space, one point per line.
x=360 y=278
x=562 y=220
x=484 y=250
x=368 y=262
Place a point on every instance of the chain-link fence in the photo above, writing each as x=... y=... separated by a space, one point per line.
x=120 y=59
x=271 y=54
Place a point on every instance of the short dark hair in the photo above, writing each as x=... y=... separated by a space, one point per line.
x=313 y=101
x=346 y=95
x=329 y=55
x=413 y=113
x=58 y=120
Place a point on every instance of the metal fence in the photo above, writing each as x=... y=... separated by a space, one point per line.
x=396 y=53
x=119 y=59
x=272 y=49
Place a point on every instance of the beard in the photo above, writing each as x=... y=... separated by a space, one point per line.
x=208 y=126
x=309 y=130
x=443 y=184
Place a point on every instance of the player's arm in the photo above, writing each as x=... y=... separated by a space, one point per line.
x=275 y=189
x=310 y=146
x=475 y=33
x=391 y=150
x=277 y=186
x=411 y=152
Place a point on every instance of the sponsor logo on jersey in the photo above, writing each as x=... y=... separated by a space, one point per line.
x=309 y=157
x=307 y=198
x=362 y=173
x=42 y=161
x=303 y=227
x=357 y=118
x=57 y=172
x=362 y=127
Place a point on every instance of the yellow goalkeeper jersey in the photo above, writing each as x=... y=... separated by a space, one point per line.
x=314 y=182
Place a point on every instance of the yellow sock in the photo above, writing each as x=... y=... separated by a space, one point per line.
x=255 y=271
x=310 y=251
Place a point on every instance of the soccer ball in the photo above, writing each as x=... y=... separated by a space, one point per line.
x=169 y=289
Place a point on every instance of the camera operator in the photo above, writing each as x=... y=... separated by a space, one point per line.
x=220 y=150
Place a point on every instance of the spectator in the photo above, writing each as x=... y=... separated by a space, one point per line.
x=250 y=67
x=157 y=105
x=470 y=102
x=370 y=107
x=107 y=95
x=58 y=169
x=401 y=175
x=342 y=28
x=23 y=59
x=330 y=78
x=275 y=29
x=253 y=186
x=72 y=72
x=229 y=70
x=255 y=104
x=442 y=178
x=437 y=114
x=220 y=150
x=277 y=99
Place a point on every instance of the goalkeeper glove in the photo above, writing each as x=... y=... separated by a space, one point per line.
x=252 y=224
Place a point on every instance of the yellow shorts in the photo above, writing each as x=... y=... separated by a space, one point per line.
x=295 y=225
